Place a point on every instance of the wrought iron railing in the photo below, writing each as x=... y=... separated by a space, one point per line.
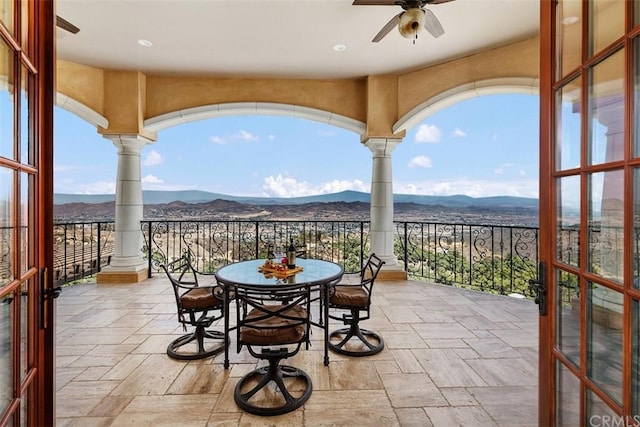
x=81 y=249
x=492 y=258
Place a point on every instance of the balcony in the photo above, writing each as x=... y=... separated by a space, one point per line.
x=453 y=357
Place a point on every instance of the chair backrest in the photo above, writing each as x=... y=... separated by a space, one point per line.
x=270 y=317
x=182 y=275
x=371 y=269
x=301 y=252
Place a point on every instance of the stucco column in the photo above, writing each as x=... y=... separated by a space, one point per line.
x=127 y=265
x=381 y=233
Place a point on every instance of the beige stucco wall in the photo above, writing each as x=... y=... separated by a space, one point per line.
x=82 y=83
x=516 y=60
x=167 y=94
x=126 y=99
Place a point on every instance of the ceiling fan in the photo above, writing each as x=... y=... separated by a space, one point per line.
x=409 y=22
x=66 y=25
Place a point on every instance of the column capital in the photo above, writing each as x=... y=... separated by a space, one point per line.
x=130 y=143
x=382 y=147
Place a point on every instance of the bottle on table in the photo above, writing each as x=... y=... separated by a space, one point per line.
x=291 y=255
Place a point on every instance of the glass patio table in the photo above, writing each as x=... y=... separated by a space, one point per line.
x=316 y=275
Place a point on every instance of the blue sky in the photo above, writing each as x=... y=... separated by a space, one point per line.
x=485 y=146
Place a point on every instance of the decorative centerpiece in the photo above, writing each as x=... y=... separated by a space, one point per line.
x=278 y=269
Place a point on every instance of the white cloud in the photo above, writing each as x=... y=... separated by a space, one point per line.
x=150 y=179
x=241 y=135
x=271 y=137
x=152 y=159
x=420 y=162
x=337 y=186
x=246 y=136
x=428 y=133
x=499 y=171
x=473 y=188
x=459 y=133
x=282 y=186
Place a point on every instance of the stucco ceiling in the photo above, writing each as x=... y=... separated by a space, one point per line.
x=279 y=38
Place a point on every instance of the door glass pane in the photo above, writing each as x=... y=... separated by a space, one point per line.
x=606 y=110
x=568 y=135
x=604 y=339
x=605 y=224
x=26 y=292
x=568 y=397
x=24 y=16
x=568 y=316
x=6 y=350
x=636 y=228
x=26 y=222
x=6 y=226
x=6 y=13
x=635 y=352
x=569 y=41
x=568 y=220
x=607 y=23
x=26 y=155
x=599 y=414
x=636 y=92
x=6 y=101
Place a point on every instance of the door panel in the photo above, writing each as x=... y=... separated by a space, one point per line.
x=604 y=340
x=26 y=111
x=567 y=397
x=591 y=368
x=568 y=315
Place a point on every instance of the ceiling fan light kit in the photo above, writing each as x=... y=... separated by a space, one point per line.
x=410 y=23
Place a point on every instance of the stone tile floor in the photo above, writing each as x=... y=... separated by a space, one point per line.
x=453 y=357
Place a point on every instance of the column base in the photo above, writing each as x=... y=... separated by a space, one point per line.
x=393 y=272
x=114 y=276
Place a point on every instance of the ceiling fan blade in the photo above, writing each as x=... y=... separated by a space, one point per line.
x=66 y=25
x=438 y=1
x=432 y=24
x=374 y=2
x=393 y=23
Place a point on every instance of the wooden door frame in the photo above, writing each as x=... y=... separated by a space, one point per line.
x=546 y=399
x=44 y=53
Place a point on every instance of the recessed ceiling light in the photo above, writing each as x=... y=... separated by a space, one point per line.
x=570 y=20
x=339 y=48
x=145 y=43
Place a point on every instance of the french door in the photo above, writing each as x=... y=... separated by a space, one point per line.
x=26 y=110
x=590 y=212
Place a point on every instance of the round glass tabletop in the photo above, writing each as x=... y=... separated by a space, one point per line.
x=314 y=272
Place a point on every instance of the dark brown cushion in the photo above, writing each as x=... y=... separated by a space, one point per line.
x=279 y=331
x=349 y=297
x=199 y=298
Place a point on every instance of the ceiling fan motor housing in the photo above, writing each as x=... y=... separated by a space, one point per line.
x=411 y=21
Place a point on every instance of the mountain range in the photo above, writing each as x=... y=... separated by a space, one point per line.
x=151 y=197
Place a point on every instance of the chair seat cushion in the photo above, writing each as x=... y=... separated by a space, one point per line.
x=349 y=297
x=274 y=330
x=199 y=298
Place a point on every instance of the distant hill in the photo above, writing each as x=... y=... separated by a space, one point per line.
x=194 y=196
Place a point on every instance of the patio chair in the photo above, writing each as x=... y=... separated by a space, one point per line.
x=350 y=303
x=273 y=324
x=198 y=307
